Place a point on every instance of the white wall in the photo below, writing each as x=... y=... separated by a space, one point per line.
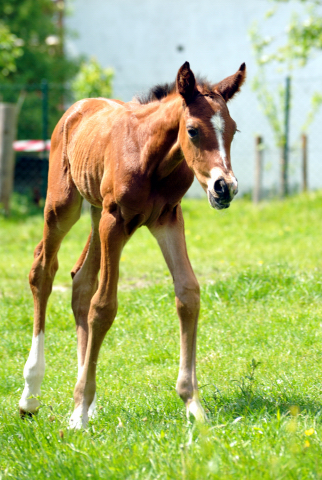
x=140 y=40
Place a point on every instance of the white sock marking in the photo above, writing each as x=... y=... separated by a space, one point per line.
x=79 y=418
x=194 y=408
x=80 y=415
x=91 y=410
x=33 y=374
x=219 y=126
x=80 y=369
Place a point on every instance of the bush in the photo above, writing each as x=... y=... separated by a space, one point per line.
x=92 y=80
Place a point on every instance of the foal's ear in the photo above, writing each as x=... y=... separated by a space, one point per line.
x=231 y=85
x=186 y=83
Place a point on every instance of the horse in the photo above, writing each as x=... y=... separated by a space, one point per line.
x=133 y=162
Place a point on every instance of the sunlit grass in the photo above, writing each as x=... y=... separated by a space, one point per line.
x=260 y=273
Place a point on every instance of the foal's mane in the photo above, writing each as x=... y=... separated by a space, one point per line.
x=158 y=92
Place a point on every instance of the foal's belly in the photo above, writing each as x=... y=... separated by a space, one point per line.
x=86 y=160
x=87 y=178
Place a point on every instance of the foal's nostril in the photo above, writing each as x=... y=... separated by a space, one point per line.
x=221 y=188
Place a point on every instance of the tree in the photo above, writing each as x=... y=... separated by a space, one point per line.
x=10 y=50
x=35 y=35
x=274 y=103
x=92 y=81
x=304 y=35
x=303 y=42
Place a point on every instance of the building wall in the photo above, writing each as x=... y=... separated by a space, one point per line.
x=146 y=41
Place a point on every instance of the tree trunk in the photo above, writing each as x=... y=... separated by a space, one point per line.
x=8 y=129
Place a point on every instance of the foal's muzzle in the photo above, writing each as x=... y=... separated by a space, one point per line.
x=222 y=193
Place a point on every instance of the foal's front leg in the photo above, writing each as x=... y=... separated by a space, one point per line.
x=101 y=313
x=171 y=239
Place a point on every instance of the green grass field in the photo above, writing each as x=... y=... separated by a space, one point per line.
x=260 y=271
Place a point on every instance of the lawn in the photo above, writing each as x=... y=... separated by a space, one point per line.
x=259 y=353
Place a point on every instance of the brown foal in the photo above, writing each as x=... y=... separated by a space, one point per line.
x=133 y=162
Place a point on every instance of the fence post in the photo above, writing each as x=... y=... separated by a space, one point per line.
x=304 y=162
x=285 y=149
x=257 y=191
x=8 y=130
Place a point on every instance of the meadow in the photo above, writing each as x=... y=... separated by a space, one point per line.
x=258 y=358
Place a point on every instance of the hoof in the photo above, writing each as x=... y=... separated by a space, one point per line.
x=195 y=409
x=79 y=419
x=23 y=414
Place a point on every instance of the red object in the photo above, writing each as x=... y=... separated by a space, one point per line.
x=31 y=145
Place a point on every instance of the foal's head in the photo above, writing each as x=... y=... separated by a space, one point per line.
x=206 y=132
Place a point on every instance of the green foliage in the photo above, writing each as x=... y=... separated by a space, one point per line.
x=304 y=35
x=92 y=80
x=271 y=101
x=260 y=271
x=10 y=50
x=303 y=42
x=316 y=102
x=32 y=38
x=38 y=27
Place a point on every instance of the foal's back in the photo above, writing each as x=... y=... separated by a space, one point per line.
x=84 y=133
x=113 y=151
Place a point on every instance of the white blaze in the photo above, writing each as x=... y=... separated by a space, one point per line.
x=33 y=374
x=219 y=126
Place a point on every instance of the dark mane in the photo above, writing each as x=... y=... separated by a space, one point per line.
x=158 y=92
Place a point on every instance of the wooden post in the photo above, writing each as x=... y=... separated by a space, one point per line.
x=283 y=182
x=257 y=191
x=304 y=162
x=285 y=148
x=8 y=128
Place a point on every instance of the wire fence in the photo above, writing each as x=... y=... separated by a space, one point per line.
x=43 y=105
x=253 y=123
x=39 y=108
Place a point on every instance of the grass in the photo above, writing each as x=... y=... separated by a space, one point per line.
x=260 y=275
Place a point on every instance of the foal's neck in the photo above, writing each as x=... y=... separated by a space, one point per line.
x=160 y=129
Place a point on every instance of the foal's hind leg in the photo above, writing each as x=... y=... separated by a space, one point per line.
x=62 y=210
x=102 y=312
x=170 y=236
x=85 y=283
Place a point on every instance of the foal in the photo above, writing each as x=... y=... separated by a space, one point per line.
x=133 y=162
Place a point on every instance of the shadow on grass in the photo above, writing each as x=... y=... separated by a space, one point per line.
x=256 y=404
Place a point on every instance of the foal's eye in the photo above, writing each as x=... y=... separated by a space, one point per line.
x=192 y=132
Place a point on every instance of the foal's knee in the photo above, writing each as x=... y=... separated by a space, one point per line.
x=42 y=275
x=102 y=314
x=188 y=297
x=184 y=388
x=83 y=290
